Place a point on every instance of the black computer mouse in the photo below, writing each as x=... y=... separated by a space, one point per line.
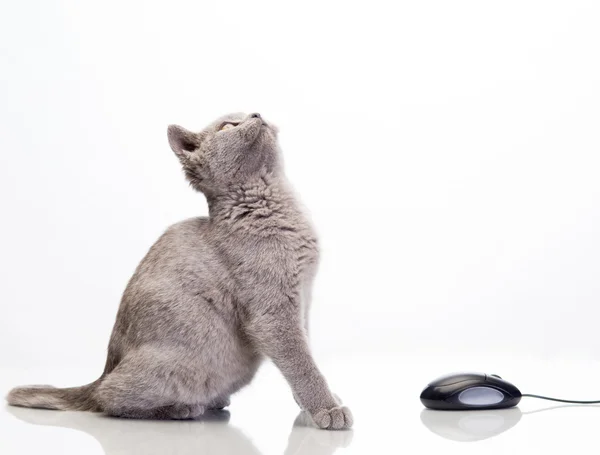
x=470 y=391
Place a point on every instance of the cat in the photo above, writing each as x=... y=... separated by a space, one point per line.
x=215 y=295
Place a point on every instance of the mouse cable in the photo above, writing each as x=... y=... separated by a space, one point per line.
x=559 y=400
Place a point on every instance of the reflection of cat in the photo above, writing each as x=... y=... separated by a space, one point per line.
x=305 y=439
x=214 y=295
x=212 y=434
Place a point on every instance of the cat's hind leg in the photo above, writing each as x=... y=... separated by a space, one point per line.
x=155 y=384
x=219 y=403
x=179 y=411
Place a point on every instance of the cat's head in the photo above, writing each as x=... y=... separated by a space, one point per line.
x=232 y=150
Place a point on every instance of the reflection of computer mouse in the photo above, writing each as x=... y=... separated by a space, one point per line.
x=467 y=426
x=470 y=391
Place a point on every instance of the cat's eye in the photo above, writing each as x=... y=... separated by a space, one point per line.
x=228 y=126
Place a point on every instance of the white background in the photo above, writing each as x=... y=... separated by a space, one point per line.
x=448 y=153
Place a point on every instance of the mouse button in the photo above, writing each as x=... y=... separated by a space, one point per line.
x=480 y=396
x=502 y=384
x=455 y=378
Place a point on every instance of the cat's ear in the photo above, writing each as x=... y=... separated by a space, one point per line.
x=182 y=141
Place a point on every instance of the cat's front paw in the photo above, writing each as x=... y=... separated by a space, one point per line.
x=337 y=418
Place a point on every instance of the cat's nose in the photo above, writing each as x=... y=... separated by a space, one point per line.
x=255 y=115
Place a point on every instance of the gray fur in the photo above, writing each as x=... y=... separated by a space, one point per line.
x=214 y=296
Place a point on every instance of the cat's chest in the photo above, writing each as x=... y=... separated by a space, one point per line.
x=282 y=258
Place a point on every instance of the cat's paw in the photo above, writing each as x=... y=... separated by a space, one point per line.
x=337 y=399
x=220 y=403
x=185 y=411
x=337 y=418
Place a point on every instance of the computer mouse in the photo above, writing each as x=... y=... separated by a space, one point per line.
x=470 y=391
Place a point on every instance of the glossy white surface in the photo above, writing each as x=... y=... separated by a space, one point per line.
x=383 y=394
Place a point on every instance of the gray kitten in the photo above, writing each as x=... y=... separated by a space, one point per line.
x=215 y=295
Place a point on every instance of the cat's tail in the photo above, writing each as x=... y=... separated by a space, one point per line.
x=48 y=397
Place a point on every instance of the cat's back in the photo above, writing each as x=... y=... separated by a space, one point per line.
x=180 y=293
x=178 y=285
x=181 y=259
x=188 y=239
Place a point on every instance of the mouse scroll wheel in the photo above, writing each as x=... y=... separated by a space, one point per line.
x=496 y=376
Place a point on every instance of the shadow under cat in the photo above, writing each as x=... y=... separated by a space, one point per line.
x=210 y=434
